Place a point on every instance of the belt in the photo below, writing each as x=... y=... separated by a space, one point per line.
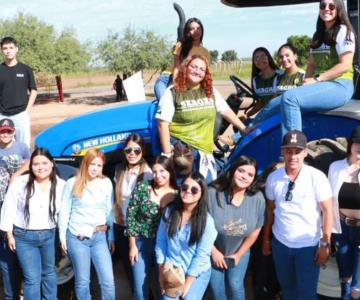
x=100 y=228
x=350 y=221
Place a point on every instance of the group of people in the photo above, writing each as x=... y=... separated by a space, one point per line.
x=190 y=230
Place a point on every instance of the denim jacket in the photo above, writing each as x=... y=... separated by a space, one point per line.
x=193 y=259
x=81 y=215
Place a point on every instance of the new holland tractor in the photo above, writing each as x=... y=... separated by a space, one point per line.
x=108 y=128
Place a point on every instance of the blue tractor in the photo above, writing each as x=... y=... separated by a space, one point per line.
x=108 y=128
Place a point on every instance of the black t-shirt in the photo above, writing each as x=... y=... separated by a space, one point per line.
x=15 y=82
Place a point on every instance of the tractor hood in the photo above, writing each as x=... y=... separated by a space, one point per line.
x=256 y=3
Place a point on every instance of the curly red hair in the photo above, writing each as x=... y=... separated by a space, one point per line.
x=181 y=80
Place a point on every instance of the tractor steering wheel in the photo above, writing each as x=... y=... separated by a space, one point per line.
x=243 y=90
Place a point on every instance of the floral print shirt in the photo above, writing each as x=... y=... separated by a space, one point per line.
x=143 y=215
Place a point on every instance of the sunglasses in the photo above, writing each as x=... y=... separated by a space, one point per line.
x=193 y=189
x=330 y=5
x=289 y=194
x=136 y=150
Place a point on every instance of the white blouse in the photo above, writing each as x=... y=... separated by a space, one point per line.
x=13 y=209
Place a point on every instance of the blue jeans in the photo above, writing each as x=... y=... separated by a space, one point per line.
x=143 y=267
x=36 y=252
x=297 y=271
x=10 y=270
x=122 y=251
x=348 y=257
x=229 y=284
x=161 y=84
x=320 y=96
x=269 y=110
x=81 y=254
x=197 y=289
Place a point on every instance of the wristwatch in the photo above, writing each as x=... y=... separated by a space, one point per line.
x=166 y=154
x=324 y=244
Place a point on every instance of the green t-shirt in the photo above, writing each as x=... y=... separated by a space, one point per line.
x=194 y=119
x=288 y=82
x=265 y=88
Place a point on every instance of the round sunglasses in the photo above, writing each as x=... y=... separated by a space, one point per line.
x=331 y=6
x=136 y=150
x=193 y=189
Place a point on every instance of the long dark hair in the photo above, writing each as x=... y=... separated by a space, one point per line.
x=225 y=183
x=187 y=40
x=199 y=215
x=120 y=174
x=168 y=165
x=328 y=37
x=30 y=185
x=254 y=70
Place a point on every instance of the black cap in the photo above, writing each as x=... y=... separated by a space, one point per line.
x=355 y=135
x=7 y=124
x=294 y=139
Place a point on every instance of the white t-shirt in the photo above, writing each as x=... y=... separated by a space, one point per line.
x=298 y=222
x=166 y=108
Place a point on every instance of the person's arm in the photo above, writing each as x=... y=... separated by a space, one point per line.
x=164 y=133
x=110 y=215
x=8 y=213
x=132 y=223
x=161 y=243
x=32 y=97
x=344 y=65
x=230 y=116
x=245 y=246
x=24 y=167
x=310 y=70
x=64 y=214
x=323 y=252
x=266 y=238
x=176 y=66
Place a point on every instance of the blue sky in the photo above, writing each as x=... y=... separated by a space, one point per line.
x=241 y=29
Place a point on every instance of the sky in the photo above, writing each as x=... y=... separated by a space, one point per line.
x=226 y=28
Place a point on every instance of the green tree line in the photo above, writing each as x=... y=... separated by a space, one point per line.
x=47 y=51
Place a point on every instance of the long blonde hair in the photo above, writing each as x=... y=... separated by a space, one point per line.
x=82 y=176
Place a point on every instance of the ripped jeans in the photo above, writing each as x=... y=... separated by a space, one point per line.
x=348 y=257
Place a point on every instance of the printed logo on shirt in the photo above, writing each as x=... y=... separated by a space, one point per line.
x=20 y=75
x=191 y=104
x=265 y=91
x=235 y=228
x=322 y=49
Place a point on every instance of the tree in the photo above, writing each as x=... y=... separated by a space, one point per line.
x=229 y=55
x=42 y=49
x=135 y=51
x=214 y=54
x=302 y=44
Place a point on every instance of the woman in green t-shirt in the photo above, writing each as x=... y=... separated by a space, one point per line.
x=187 y=113
x=328 y=81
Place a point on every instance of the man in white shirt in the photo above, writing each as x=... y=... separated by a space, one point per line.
x=299 y=211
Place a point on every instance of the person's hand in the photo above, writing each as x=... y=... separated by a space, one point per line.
x=161 y=279
x=186 y=289
x=11 y=243
x=236 y=257
x=243 y=118
x=266 y=248
x=309 y=80
x=63 y=248
x=218 y=259
x=133 y=254
x=112 y=247
x=322 y=256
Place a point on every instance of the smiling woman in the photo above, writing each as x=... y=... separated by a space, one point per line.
x=187 y=113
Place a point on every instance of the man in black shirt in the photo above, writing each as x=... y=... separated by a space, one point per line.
x=17 y=90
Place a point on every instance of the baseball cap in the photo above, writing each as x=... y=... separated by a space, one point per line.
x=7 y=124
x=355 y=135
x=294 y=139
